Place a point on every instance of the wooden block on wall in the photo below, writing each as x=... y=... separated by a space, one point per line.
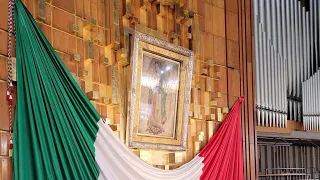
x=233 y=82
x=225 y=110
x=103 y=75
x=152 y=16
x=233 y=54
x=112 y=110
x=64 y=42
x=189 y=155
x=90 y=23
x=66 y=23
x=160 y=23
x=129 y=8
x=89 y=51
x=93 y=95
x=222 y=101
x=232 y=6
x=209 y=84
x=193 y=127
x=122 y=57
x=216 y=95
x=3 y=43
x=208 y=8
x=205 y=98
x=219 y=50
x=143 y=17
x=221 y=84
x=213 y=103
x=105 y=100
x=102 y=33
x=96 y=74
x=195 y=95
x=103 y=111
x=189 y=137
x=3 y=68
x=79 y=8
x=208 y=49
x=110 y=56
x=114 y=84
x=197 y=147
x=115 y=127
x=145 y=155
x=211 y=116
x=220 y=3
x=4 y=15
x=80 y=24
x=202 y=40
x=205 y=132
x=199 y=7
x=218 y=21
x=88 y=76
x=117 y=118
x=218 y=114
x=94 y=9
x=40 y=10
x=4 y=141
x=232 y=100
x=4 y=111
x=66 y=5
x=171 y=157
x=76 y=78
x=30 y=4
x=46 y=30
x=196 y=67
x=232 y=26
x=6 y=167
x=87 y=9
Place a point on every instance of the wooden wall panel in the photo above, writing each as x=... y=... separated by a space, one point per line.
x=218 y=3
x=220 y=29
x=218 y=21
x=3 y=68
x=3 y=42
x=233 y=54
x=64 y=42
x=5 y=164
x=219 y=50
x=79 y=8
x=208 y=17
x=66 y=24
x=67 y=5
x=247 y=86
x=232 y=6
x=232 y=26
x=4 y=14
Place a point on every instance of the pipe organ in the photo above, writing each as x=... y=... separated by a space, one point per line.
x=286 y=41
x=311 y=102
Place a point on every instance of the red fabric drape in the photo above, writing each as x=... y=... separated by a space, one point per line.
x=223 y=154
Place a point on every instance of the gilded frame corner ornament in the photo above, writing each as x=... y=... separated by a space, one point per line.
x=143 y=42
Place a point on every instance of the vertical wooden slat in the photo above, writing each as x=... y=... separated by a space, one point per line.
x=247 y=87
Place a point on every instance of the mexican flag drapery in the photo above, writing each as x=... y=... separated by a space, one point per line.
x=59 y=135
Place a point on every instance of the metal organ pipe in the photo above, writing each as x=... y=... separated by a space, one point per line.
x=287 y=62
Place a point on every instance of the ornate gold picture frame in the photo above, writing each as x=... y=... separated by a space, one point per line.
x=160 y=94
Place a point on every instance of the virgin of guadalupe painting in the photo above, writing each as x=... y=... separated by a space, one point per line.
x=159 y=89
x=160 y=94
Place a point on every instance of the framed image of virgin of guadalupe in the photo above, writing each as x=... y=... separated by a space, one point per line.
x=160 y=94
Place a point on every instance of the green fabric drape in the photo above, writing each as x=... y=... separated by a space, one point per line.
x=55 y=124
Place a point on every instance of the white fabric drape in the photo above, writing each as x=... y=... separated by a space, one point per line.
x=117 y=162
